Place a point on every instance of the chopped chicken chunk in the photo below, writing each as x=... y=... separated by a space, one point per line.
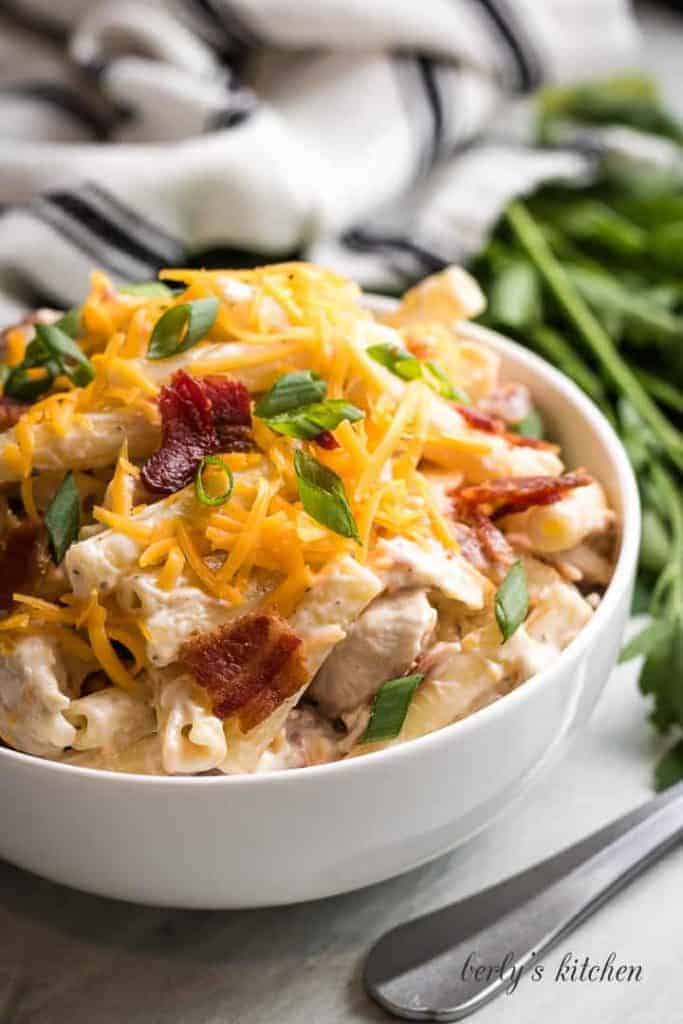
x=402 y=563
x=382 y=643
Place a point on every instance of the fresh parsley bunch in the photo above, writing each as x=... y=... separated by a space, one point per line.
x=591 y=277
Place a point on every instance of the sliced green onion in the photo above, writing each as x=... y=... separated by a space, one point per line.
x=55 y=352
x=291 y=391
x=396 y=359
x=18 y=384
x=70 y=323
x=443 y=386
x=408 y=367
x=310 y=420
x=512 y=601
x=531 y=425
x=63 y=518
x=151 y=289
x=390 y=708
x=63 y=350
x=207 y=499
x=323 y=496
x=181 y=327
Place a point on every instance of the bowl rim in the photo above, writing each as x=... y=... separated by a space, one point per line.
x=379 y=760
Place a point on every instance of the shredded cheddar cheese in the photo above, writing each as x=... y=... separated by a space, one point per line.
x=20 y=620
x=16 y=346
x=288 y=594
x=379 y=458
x=47 y=611
x=132 y=641
x=156 y=552
x=26 y=444
x=246 y=540
x=173 y=567
x=269 y=321
x=139 y=531
x=206 y=576
x=120 y=495
x=70 y=641
x=28 y=498
x=95 y=623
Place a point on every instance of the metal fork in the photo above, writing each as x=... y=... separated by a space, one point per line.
x=417 y=970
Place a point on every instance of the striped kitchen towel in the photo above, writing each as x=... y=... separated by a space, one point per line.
x=142 y=133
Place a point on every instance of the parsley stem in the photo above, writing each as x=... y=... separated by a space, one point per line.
x=532 y=240
x=668 y=489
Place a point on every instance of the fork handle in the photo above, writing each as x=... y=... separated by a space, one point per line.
x=427 y=969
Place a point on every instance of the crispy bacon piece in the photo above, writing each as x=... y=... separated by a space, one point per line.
x=10 y=411
x=187 y=435
x=479 y=420
x=230 y=410
x=199 y=416
x=247 y=667
x=495 y=498
x=327 y=440
x=520 y=441
x=16 y=553
x=484 y=546
x=26 y=565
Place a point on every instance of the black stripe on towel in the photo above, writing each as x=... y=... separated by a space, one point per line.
x=519 y=46
x=96 y=249
x=164 y=245
x=61 y=97
x=111 y=232
x=363 y=240
x=428 y=78
x=235 y=24
x=236 y=36
x=227 y=118
x=239 y=106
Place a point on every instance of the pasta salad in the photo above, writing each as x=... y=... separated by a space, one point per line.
x=247 y=524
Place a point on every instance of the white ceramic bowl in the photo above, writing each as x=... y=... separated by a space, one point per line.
x=247 y=841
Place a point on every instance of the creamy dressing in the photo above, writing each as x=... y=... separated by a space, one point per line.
x=34 y=694
x=403 y=563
